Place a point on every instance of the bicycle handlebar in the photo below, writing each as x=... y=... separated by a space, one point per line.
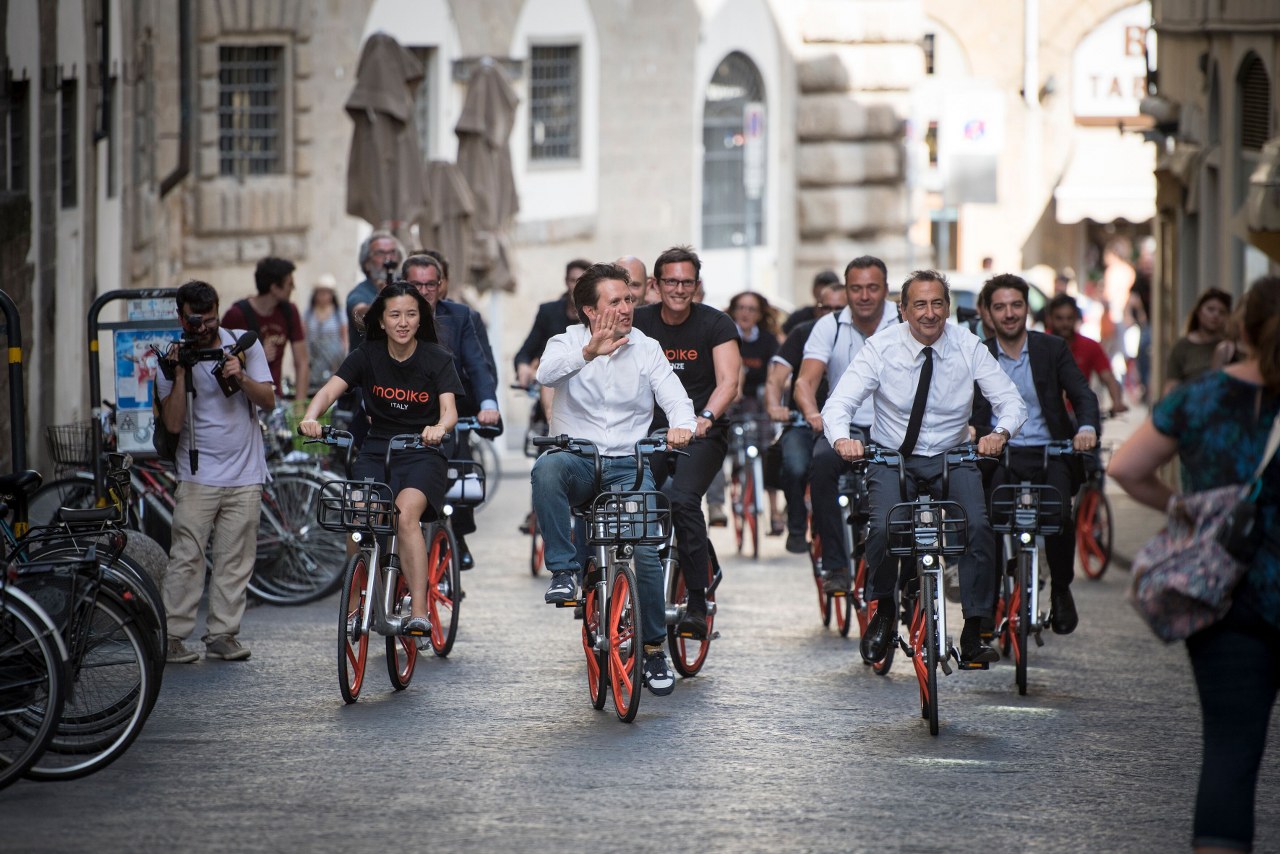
x=964 y=453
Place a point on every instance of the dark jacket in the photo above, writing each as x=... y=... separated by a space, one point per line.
x=458 y=334
x=1054 y=373
x=551 y=321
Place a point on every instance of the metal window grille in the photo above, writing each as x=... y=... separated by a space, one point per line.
x=1255 y=104
x=17 y=138
x=422 y=112
x=729 y=218
x=68 y=131
x=554 y=125
x=929 y=45
x=250 y=107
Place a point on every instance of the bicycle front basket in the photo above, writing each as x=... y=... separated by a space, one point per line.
x=1026 y=507
x=71 y=445
x=357 y=505
x=638 y=518
x=466 y=483
x=919 y=527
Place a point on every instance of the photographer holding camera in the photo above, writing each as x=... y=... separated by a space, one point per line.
x=208 y=397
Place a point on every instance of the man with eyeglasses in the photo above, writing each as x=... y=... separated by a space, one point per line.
x=380 y=254
x=553 y=318
x=701 y=344
x=797 y=440
x=836 y=339
x=458 y=334
x=223 y=495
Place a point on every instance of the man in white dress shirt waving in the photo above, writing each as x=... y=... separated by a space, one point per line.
x=607 y=376
x=921 y=376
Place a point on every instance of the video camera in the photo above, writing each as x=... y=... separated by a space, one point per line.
x=190 y=354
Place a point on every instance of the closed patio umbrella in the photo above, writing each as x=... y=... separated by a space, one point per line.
x=484 y=158
x=384 y=168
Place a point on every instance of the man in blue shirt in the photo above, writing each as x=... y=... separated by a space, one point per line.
x=458 y=334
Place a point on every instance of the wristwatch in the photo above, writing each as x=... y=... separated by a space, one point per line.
x=707 y=414
x=1002 y=432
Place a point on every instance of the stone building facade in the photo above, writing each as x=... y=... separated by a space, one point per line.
x=156 y=142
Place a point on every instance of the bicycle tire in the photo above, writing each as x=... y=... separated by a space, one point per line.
x=860 y=594
x=689 y=654
x=1022 y=610
x=444 y=588
x=592 y=622
x=824 y=601
x=32 y=679
x=297 y=561
x=626 y=652
x=738 y=507
x=1094 y=533
x=885 y=664
x=930 y=595
x=113 y=693
x=75 y=491
x=402 y=650
x=750 y=513
x=353 y=641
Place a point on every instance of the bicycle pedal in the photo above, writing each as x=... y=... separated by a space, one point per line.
x=568 y=603
x=946 y=668
x=1039 y=640
x=975 y=665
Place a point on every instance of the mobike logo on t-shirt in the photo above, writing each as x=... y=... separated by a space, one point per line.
x=677 y=356
x=400 y=398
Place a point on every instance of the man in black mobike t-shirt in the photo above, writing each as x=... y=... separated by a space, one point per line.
x=701 y=343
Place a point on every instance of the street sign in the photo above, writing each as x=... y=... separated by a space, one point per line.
x=753 y=149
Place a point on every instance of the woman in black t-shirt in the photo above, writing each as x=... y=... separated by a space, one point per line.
x=757 y=343
x=409 y=386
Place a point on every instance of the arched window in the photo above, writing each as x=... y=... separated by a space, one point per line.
x=1255 y=103
x=733 y=177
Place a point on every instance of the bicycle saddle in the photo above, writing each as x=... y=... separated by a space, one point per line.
x=19 y=483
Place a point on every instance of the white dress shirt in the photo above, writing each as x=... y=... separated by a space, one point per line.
x=609 y=400
x=835 y=341
x=887 y=370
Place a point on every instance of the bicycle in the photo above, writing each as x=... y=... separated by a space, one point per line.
x=688 y=651
x=378 y=601
x=744 y=487
x=1093 y=518
x=616 y=521
x=1023 y=513
x=927 y=530
x=537 y=428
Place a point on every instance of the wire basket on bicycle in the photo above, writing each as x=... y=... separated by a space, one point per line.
x=635 y=518
x=357 y=506
x=71 y=445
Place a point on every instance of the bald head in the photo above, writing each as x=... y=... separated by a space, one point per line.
x=639 y=276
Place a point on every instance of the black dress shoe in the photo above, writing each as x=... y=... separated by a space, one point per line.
x=879 y=634
x=837 y=582
x=796 y=544
x=466 y=561
x=1062 y=611
x=693 y=625
x=972 y=649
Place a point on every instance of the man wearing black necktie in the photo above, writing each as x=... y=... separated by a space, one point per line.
x=921 y=375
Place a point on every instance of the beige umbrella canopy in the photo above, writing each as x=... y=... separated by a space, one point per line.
x=384 y=168
x=484 y=158
x=445 y=222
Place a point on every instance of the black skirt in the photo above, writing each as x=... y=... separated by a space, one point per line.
x=424 y=470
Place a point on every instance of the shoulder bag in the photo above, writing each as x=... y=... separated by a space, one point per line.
x=1184 y=576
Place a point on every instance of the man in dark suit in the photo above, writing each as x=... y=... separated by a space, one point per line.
x=552 y=319
x=1042 y=368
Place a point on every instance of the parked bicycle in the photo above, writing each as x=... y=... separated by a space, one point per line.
x=616 y=522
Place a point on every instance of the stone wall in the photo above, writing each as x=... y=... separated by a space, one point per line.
x=855 y=67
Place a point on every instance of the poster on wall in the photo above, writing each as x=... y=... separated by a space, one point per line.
x=135 y=369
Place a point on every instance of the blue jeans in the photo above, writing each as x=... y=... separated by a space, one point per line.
x=562 y=480
x=797 y=450
x=1236 y=662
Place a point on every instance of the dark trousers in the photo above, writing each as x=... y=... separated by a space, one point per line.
x=977 y=564
x=456 y=447
x=829 y=518
x=797 y=449
x=1236 y=663
x=684 y=488
x=1028 y=464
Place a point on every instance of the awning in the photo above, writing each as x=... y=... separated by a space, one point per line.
x=1110 y=176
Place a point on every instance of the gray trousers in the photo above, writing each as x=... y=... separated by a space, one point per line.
x=977 y=564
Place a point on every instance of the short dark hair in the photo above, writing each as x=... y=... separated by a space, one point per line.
x=925 y=276
x=422 y=259
x=373 y=330
x=197 y=296
x=1004 y=280
x=864 y=262
x=439 y=256
x=825 y=279
x=271 y=271
x=587 y=291
x=576 y=264
x=1064 y=299
x=677 y=255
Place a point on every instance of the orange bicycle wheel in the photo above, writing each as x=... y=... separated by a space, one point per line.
x=353 y=642
x=689 y=654
x=597 y=661
x=625 y=649
x=402 y=650
x=444 y=589
x=1093 y=532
